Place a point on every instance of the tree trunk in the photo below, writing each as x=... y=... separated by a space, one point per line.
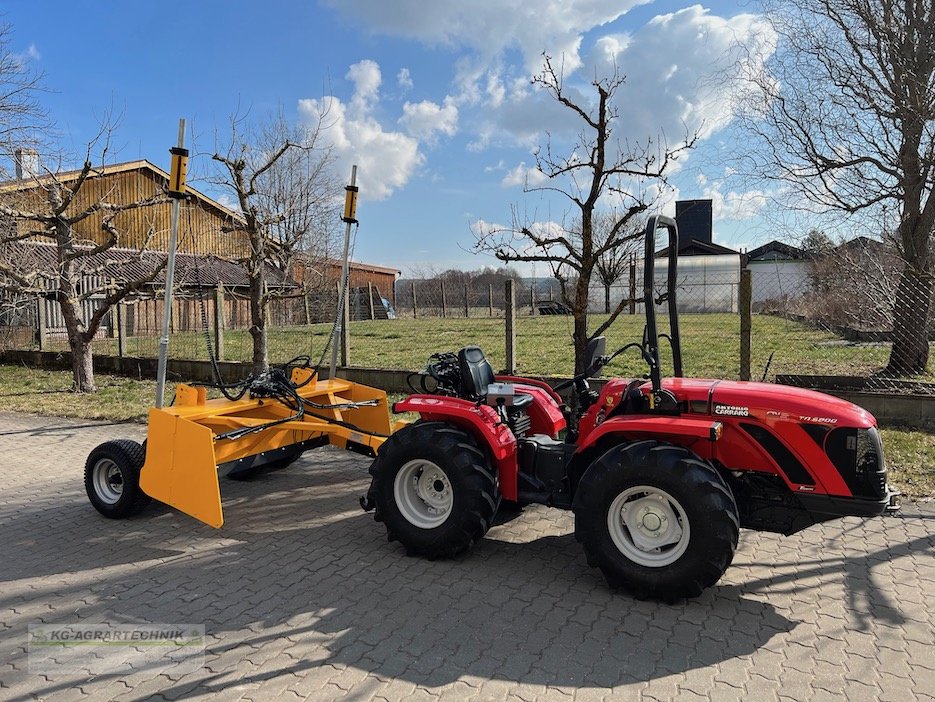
x=82 y=360
x=258 y=323
x=910 y=351
x=82 y=366
x=580 y=309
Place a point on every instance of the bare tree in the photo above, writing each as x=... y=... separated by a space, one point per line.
x=281 y=178
x=614 y=261
x=847 y=118
x=42 y=253
x=22 y=116
x=598 y=164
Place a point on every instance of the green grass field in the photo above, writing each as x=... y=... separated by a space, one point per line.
x=710 y=344
x=910 y=454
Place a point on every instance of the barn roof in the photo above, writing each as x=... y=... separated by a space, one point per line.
x=130 y=264
x=777 y=251
x=102 y=171
x=696 y=247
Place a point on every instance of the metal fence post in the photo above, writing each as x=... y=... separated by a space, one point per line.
x=632 y=285
x=532 y=299
x=444 y=301
x=490 y=297
x=415 y=310
x=467 y=302
x=509 y=304
x=220 y=307
x=370 y=298
x=746 y=322
x=120 y=313
x=42 y=323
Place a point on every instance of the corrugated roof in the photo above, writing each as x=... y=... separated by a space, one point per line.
x=128 y=264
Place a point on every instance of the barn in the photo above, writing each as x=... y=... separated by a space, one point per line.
x=209 y=244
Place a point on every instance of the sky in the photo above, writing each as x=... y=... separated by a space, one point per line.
x=432 y=101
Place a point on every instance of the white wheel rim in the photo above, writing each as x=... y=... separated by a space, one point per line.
x=108 y=481
x=423 y=494
x=648 y=526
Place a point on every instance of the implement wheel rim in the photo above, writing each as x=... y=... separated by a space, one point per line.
x=107 y=479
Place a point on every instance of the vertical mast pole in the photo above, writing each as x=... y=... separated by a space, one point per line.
x=177 y=193
x=350 y=211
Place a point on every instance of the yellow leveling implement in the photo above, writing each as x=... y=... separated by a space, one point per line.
x=187 y=442
x=183 y=450
x=269 y=418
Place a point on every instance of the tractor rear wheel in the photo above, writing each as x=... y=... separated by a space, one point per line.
x=658 y=521
x=434 y=489
x=112 y=478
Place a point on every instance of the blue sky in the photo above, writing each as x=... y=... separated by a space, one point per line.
x=432 y=100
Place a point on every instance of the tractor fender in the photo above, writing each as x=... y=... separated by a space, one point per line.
x=683 y=431
x=532 y=382
x=481 y=421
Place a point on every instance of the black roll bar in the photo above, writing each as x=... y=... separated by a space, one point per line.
x=649 y=265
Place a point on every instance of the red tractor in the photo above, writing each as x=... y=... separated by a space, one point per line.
x=661 y=473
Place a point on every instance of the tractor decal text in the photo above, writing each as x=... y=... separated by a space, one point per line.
x=732 y=411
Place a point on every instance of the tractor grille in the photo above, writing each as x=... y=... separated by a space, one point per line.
x=858 y=456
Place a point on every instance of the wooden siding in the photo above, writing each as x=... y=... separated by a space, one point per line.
x=200 y=222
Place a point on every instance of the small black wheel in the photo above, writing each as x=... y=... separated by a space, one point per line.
x=434 y=489
x=112 y=478
x=658 y=521
x=248 y=468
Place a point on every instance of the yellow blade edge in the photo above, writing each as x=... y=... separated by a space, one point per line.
x=180 y=468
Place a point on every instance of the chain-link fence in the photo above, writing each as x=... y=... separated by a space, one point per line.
x=853 y=312
x=453 y=298
x=831 y=315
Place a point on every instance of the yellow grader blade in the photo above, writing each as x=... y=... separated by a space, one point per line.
x=187 y=442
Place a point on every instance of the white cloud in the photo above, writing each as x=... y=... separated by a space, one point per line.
x=684 y=70
x=386 y=160
x=523 y=177
x=491 y=27
x=683 y=75
x=735 y=205
x=403 y=79
x=366 y=78
x=33 y=53
x=426 y=119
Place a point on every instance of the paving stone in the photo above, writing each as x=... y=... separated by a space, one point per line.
x=303 y=598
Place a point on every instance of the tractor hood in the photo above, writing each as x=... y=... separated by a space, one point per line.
x=767 y=401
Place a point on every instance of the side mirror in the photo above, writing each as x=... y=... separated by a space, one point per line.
x=594 y=353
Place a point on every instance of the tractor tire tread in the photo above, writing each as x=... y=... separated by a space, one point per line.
x=468 y=523
x=710 y=497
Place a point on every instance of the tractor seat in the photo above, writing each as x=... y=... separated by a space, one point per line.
x=477 y=374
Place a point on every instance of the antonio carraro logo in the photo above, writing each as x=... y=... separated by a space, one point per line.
x=732 y=411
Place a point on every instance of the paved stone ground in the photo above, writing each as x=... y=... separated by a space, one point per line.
x=303 y=598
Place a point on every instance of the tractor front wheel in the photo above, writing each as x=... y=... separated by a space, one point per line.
x=434 y=489
x=658 y=521
x=112 y=478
